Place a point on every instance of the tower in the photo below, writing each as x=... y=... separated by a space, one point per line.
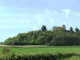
x=64 y=27
x=53 y=28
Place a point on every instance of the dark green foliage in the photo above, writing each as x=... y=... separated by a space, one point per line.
x=46 y=56
x=12 y=43
x=1 y=43
x=40 y=40
x=31 y=33
x=20 y=37
x=76 y=29
x=43 y=28
x=5 y=50
x=57 y=38
x=34 y=36
x=71 y=29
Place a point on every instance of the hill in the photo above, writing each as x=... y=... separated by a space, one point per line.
x=43 y=37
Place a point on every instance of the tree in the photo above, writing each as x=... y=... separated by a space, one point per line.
x=1 y=42
x=20 y=37
x=31 y=33
x=34 y=36
x=12 y=43
x=40 y=40
x=76 y=29
x=43 y=28
x=71 y=29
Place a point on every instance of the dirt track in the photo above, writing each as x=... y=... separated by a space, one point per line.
x=4 y=45
x=22 y=46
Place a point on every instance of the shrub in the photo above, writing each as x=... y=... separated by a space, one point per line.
x=43 y=56
x=5 y=50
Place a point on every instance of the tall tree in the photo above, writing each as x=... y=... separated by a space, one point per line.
x=76 y=29
x=40 y=40
x=43 y=28
x=71 y=29
x=34 y=36
x=20 y=37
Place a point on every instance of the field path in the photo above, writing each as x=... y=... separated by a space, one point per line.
x=22 y=46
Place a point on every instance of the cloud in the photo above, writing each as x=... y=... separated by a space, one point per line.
x=66 y=11
x=12 y=15
x=35 y=21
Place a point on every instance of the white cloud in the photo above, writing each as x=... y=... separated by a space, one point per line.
x=67 y=11
x=35 y=21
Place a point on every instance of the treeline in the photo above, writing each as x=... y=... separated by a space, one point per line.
x=45 y=37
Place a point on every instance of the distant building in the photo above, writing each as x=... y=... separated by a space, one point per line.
x=55 y=28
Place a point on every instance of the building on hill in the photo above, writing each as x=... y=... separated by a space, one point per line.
x=55 y=28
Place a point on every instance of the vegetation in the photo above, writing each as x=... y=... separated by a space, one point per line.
x=71 y=29
x=71 y=58
x=41 y=53
x=5 y=50
x=43 y=49
x=46 y=37
x=43 y=28
x=76 y=29
x=45 y=56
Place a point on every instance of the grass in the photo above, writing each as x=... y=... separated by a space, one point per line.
x=29 y=49
x=44 y=49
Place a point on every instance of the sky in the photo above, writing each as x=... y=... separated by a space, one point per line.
x=21 y=16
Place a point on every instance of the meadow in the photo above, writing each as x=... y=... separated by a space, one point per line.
x=42 y=49
x=30 y=49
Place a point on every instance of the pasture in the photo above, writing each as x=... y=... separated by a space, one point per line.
x=41 y=49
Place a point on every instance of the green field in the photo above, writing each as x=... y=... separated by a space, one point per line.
x=44 y=49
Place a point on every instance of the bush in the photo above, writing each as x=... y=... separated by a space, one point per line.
x=43 y=56
x=5 y=50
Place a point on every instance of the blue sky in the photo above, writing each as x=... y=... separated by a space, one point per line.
x=21 y=16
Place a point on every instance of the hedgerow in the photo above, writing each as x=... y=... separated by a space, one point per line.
x=36 y=56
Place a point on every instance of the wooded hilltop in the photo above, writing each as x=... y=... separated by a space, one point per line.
x=46 y=37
